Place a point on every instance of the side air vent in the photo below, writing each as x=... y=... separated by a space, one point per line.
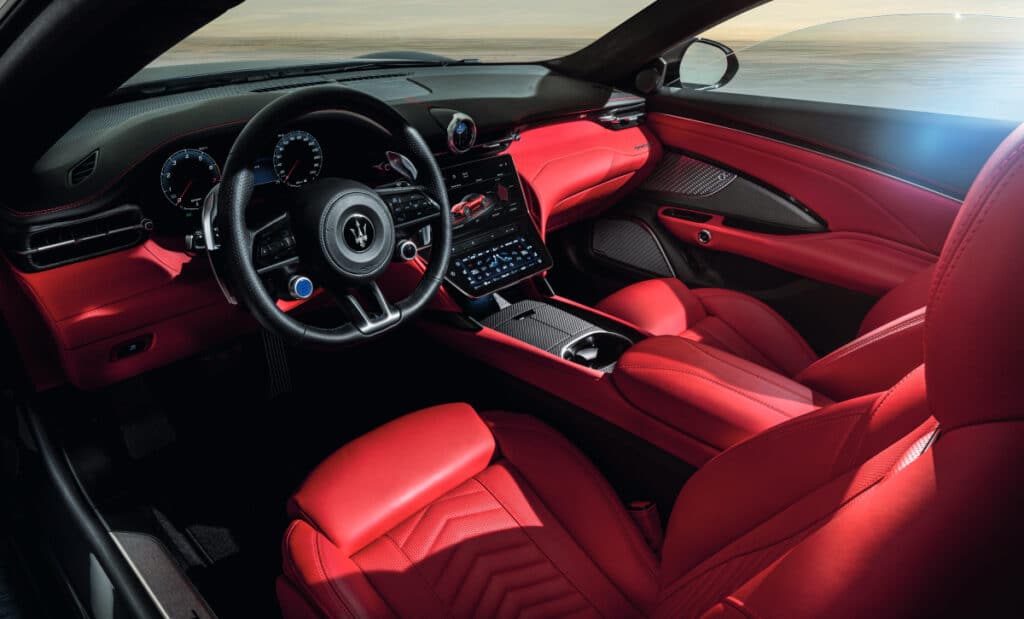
x=83 y=169
x=623 y=117
x=46 y=246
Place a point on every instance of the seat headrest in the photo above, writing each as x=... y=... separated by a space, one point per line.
x=372 y=484
x=974 y=335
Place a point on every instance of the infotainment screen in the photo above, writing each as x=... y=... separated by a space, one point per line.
x=484 y=194
x=495 y=241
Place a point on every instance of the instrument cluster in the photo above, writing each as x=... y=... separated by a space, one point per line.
x=188 y=174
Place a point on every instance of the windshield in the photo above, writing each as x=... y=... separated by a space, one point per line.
x=328 y=30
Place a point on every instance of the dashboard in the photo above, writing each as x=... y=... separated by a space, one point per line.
x=173 y=183
x=95 y=238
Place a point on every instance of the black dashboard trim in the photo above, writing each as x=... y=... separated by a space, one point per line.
x=112 y=184
x=502 y=98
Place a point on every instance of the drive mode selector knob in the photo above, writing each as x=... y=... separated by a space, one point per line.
x=300 y=287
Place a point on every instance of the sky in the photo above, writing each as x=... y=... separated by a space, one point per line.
x=425 y=18
x=585 y=19
x=784 y=16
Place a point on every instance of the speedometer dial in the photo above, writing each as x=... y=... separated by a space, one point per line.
x=187 y=176
x=297 y=158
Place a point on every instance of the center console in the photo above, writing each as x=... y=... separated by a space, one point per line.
x=495 y=243
x=563 y=334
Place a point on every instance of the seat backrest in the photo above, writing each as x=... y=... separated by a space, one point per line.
x=904 y=299
x=865 y=508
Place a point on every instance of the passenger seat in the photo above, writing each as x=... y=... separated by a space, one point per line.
x=888 y=344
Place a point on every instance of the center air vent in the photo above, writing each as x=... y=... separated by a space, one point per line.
x=318 y=82
x=291 y=86
x=378 y=76
x=83 y=169
x=50 y=245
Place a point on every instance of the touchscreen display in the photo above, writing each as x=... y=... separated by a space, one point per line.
x=484 y=194
x=495 y=241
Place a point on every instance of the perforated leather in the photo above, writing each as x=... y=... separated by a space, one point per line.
x=773 y=491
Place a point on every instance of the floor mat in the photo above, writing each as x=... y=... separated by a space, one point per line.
x=216 y=497
x=216 y=543
x=12 y=603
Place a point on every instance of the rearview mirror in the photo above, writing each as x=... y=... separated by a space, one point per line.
x=706 y=65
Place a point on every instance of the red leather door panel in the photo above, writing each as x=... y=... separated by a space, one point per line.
x=881 y=229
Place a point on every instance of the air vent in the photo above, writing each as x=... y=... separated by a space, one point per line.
x=354 y=78
x=50 y=245
x=83 y=169
x=290 y=86
x=379 y=76
x=623 y=117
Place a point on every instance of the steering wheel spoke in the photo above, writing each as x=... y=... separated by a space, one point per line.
x=278 y=221
x=411 y=207
x=377 y=319
x=273 y=245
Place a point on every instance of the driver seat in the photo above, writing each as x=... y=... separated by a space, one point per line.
x=860 y=509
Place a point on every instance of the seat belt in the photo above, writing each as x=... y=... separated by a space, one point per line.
x=645 y=515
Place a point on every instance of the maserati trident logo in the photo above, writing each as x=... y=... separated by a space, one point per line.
x=358 y=233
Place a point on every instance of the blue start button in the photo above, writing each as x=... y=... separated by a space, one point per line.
x=300 y=287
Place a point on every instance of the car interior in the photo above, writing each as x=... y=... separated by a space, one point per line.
x=406 y=335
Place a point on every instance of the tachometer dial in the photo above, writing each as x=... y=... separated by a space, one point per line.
x=187 y=176
x=297 y=158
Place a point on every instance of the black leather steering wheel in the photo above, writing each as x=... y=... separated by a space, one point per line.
x=344 y=231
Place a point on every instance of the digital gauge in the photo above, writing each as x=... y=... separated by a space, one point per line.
x=297 y=158
x=187 y=176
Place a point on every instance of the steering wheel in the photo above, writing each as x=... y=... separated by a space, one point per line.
x=343 y=232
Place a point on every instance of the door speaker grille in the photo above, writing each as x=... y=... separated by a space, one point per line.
x=630 y=243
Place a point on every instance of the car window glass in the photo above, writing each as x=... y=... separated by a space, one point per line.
x=923 y=55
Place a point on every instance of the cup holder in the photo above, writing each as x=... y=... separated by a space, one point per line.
x=599 y=350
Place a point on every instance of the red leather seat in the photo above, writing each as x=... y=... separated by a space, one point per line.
x=445 y=513
x=888 y=344
x=709 y=395
x=899 y=504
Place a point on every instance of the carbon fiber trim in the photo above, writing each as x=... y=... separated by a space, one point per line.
x=631 y=243
x=540 y=325
x=681 y=175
